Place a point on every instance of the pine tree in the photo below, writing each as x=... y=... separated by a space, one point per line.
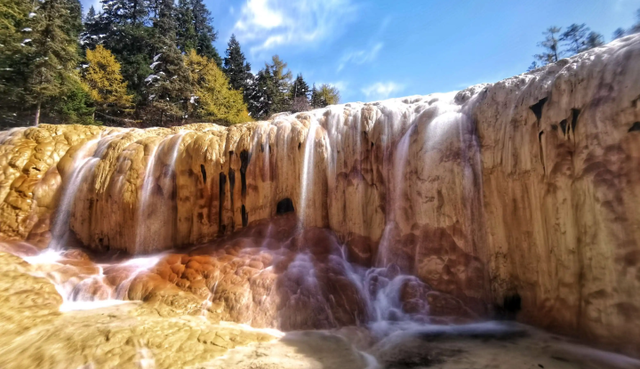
x=281 y=78
x=594 y=39
x=636 y=27
x=299 y=95
x=14 y=57
x=187 y=38
x=316 y=99
x=213 y=100
x=534 y=65
x=55 y=54
x=261 y=93
x=205 y=32
x=618 y=33
x=551 y=51
x=169 y=85
x=236 y=67
x=106 y=86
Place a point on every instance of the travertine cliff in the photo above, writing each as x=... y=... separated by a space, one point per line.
x=528 y=187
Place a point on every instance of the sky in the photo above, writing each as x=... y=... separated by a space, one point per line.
x=378 y=49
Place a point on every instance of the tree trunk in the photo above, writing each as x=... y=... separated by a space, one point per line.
x=37 y=119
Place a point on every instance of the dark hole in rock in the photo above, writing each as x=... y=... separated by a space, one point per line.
x=372 y=144
x=204 y=173
x=230 y=152
x=221 y=190
x=554 y=127
x=575 y=113
x=635 y=127
x=284 y=206
x=512 y=303
x=244 y=158
x=537 y=108
x=245 y=216
x=563 y=126
x=299 y=145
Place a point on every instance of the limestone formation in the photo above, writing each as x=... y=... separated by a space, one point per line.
x=523 y=192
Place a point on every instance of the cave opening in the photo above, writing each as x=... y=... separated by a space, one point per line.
x=284 y=206
x=204 y=173
x=635 y=127
x=537 y=108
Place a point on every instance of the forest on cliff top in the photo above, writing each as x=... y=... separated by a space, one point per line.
x=142 y=63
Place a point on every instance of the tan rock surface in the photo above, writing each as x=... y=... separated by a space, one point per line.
x=36 y=335
x=528 y=186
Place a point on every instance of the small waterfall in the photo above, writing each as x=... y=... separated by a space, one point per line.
x=161 y=207
x=60 y=226
x=147 y=184
x=308 y=172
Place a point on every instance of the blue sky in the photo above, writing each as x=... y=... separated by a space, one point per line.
x=376 y=49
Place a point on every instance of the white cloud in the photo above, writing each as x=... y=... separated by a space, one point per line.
x=382 y=90
x=360 y=57
x=265 y=24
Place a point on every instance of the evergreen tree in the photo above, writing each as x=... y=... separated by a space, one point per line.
x=204 y=30
x=281 y=79
x=55 y=33
x=316 y=99
x=236 y=67
x=551 y=51
x=534 y=65
x=75 y=106
x=618 y=33
x=169 y=85
x=14 y=57
x=299 y=95
x=594 y=39
x=122 y=27
x=105 y=84
x=261 y=93
x=636 y=27
x=187 y=38
x=213 y=100
x=91 y=14
x=575 y=38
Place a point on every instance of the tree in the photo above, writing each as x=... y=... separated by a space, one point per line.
x=325 y=95
x=122 y=28
x=105 y=84
x=236 y=67
x=299 y=95
x=261 y=94
x=281 y=78
x=594 y=39
x=550 y=45
x=75 y=106
x=14 y=56
x=534 y=65
x=168 y=88
x=204 y=30
x=636 y=27
x=55 y=33
x=213 y=100
x=186 y=36
x=575 y=38
x=618 y=33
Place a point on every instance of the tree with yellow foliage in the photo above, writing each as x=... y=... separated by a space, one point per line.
x=213 y=99
x=106 y=85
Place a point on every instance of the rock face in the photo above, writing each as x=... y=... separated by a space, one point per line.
x=523 y=193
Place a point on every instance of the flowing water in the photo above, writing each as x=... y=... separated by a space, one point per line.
x=384 y=301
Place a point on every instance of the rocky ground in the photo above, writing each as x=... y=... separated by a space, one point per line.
x=171 y=332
